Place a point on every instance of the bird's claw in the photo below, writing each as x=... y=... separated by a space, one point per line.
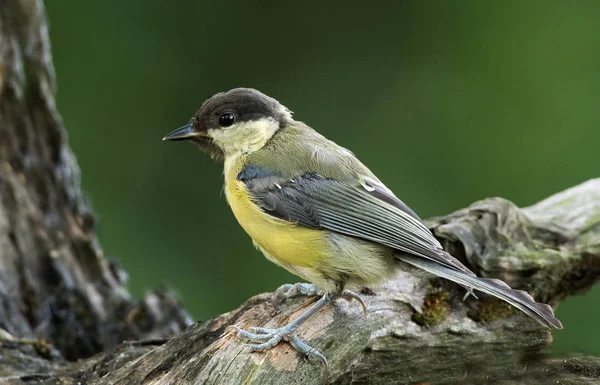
x=349 y=295
x=264 y=339
x=310 y=352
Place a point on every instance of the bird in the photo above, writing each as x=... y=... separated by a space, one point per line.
x=312 y=207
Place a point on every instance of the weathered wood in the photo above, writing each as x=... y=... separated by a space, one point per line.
x=65 y=312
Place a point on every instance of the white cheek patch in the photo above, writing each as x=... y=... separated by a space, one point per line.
x=245 y=137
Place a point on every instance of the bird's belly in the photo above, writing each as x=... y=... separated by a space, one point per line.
x=284 y=243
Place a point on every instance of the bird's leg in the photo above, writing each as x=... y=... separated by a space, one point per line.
x=310 y=290
x=264 y=339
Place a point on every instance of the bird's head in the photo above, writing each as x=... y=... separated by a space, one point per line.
x=238 y=121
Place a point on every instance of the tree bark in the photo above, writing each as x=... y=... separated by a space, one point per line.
x=54 y=280
x=66 y=316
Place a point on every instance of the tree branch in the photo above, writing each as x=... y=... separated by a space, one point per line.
x=417 y=330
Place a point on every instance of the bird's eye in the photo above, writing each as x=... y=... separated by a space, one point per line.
x=226 y=119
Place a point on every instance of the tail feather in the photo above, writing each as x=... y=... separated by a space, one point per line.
x=520 y=299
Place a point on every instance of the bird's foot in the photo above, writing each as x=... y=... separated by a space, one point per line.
x=290 y=290
x=262 y=339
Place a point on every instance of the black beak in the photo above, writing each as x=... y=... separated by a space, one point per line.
x=182 y=133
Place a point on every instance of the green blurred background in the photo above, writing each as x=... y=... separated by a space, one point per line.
x=448 y=102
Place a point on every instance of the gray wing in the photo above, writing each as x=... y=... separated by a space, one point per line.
x=367 y=210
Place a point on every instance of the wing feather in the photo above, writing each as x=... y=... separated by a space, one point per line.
x=318 y=202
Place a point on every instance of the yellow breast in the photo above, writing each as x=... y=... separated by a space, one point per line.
x=286 y=243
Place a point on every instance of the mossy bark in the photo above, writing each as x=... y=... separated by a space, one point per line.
x=65 y=313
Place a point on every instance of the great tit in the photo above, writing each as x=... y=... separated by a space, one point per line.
x=314 y=209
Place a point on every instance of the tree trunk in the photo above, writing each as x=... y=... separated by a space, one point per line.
x=65 y=313
x=54 y=280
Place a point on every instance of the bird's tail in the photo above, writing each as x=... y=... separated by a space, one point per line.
x=520 y=299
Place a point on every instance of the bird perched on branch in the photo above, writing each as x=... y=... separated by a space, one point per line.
x=314 y=209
